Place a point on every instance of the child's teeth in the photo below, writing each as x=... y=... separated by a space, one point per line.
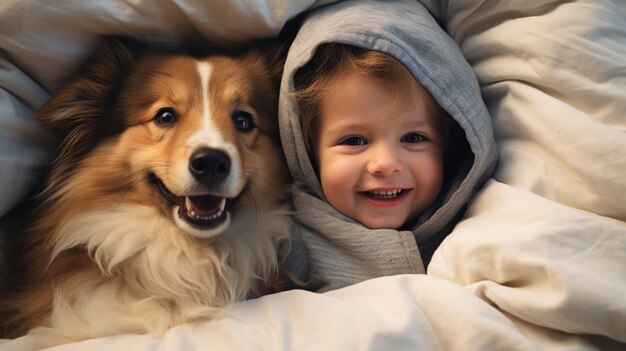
x=386 y=194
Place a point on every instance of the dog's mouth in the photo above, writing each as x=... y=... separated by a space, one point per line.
x=202 y=212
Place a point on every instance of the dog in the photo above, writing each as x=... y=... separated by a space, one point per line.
x=167 y=200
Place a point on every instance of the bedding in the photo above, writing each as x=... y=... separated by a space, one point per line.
x=538 y=262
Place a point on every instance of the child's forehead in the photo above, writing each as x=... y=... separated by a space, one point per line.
x=337 y=122
x=392 y=99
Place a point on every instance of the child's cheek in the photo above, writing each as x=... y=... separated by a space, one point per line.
x=338 y=176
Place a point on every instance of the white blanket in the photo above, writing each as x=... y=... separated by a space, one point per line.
x=539 y=262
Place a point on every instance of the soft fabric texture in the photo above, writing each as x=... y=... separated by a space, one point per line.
x=538 y=263
x=337 y=250
x=546 y=241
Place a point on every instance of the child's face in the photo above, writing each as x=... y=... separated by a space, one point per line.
x=379 y=163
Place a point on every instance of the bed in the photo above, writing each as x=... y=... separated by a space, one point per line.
x=537 y=263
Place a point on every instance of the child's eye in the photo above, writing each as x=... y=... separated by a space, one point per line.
x=353 y=141
x=413 y=138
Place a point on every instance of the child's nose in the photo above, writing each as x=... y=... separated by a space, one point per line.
x=384 y=160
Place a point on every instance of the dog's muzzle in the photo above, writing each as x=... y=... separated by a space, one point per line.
x=209 y=211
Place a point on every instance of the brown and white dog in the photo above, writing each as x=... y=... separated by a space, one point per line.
x=166 y=201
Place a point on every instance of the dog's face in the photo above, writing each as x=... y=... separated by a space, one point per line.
x=196 y=137
x=204 y=134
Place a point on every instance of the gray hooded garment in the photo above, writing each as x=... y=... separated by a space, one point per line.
x=330 y=250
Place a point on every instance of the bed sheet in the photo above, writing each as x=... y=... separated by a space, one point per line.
x=539 y=261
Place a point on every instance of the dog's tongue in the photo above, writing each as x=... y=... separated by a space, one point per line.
x=204 y=206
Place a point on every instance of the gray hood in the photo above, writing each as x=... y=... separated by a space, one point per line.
x=329 y=249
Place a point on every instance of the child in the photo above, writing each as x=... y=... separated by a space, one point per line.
x=387 y=137
x=375 y=136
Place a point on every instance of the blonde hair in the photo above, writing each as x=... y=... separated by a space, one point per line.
x=331 y=61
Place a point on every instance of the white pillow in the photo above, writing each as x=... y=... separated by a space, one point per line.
x=553 y=75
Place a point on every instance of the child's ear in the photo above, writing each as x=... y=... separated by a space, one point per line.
x=81 y=112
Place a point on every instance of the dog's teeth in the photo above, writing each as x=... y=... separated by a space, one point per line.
x=189 y=204
x=193 y=214
x=217 y=215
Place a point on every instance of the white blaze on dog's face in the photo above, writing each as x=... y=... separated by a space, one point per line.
x=204 y=133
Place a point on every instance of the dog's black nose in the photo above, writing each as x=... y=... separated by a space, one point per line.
x=209 y=166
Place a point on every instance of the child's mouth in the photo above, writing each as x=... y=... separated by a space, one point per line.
x=384 y=194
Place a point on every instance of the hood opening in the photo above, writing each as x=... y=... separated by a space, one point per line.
x=458 y=161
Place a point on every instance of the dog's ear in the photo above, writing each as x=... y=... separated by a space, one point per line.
x=81 y=113
x=275 y=50
x=277 y=58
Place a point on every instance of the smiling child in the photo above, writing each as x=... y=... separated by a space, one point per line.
x=377 y=136
x=386 y=136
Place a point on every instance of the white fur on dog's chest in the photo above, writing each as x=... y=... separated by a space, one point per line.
x=137 y=291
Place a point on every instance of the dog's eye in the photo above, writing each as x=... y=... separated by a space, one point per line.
x=165 y=116
x=242 y=120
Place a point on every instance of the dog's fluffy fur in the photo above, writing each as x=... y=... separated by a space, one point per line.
x=165 y=202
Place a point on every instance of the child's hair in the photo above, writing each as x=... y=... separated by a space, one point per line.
x=331 y=61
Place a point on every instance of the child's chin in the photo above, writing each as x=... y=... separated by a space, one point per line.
x=391 y=223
